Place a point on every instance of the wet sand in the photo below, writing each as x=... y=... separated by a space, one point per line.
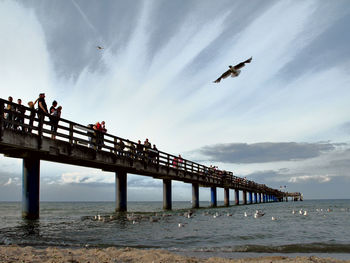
x=16 y=253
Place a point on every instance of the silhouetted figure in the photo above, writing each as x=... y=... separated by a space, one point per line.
x=9 y=114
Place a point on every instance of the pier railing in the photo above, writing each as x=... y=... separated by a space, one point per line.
x=20 y=118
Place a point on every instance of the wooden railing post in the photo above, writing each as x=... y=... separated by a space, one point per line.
x=71 y=133
x=168 y=163
x=158 y=161
x=115 y=144
x=40 y=129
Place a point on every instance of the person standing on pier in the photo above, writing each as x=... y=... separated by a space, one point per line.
x=139 y=150
x=42 y=109
x=53 y=114
x=175 y=162
x=103 y=131
x=97 y=129
x=55 y=117
x=32 y=115
x=180 y=161
x=100 y=129
x=53 y=107
x=147 y=145
x=9 y=114
x=20 y=111
x=91 y=135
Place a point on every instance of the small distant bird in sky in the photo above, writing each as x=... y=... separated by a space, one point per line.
x=233 y=71
x=99 y=47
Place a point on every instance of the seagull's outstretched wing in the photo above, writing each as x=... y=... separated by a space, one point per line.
x=223 y=76
x=242 y=64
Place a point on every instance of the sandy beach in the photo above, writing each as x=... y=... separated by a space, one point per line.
x=16 y=253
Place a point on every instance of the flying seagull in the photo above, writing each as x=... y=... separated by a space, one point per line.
x=233 y=71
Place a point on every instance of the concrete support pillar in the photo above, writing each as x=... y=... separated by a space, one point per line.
x=236 y=196
x=30 y=188
x=256 y=197
x=213 y=202
x=226 y=196
x=166 y=194
x=250 y=197
x=195 y=195
x=259 y=197
x=121 y=191
x=244 y=197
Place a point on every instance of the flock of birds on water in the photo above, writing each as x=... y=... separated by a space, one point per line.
x=155 y=217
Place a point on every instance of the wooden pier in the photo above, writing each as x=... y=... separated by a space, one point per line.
x=78 y=145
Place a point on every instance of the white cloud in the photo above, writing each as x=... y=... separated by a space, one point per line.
x=307 y=178
x=86 y=177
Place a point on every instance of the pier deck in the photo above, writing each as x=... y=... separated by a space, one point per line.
x=78 y=145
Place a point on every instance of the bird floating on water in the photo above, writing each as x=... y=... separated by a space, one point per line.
x=100 y=48
x=234 y=71
x=258 y=214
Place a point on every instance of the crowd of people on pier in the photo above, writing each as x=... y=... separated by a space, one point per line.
x=15 y=116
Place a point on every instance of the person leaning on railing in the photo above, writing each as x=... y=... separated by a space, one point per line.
x=32 y=115
x=9 y=114
x=19 y=118
x=153 y=153
x=147 y=146
x=55 y=117
x=139 y=150
x=120 y=146
x=99 y=129
x=91 y=135
x=130 y=149
x=42 y=108
x=180 y=161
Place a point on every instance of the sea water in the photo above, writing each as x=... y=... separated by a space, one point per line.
x=221 y=231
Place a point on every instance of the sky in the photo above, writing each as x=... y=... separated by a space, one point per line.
x=285 y=121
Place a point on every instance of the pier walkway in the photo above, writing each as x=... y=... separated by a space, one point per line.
x=29 y=138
